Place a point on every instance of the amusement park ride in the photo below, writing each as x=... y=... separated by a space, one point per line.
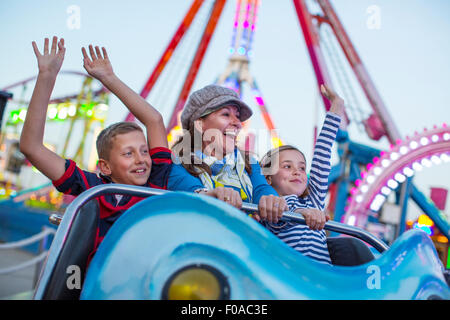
x=360 y=184
x=365 y=176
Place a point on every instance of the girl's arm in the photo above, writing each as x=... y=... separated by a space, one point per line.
x=321 y=162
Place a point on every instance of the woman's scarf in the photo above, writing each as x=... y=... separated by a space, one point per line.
x=229 y=172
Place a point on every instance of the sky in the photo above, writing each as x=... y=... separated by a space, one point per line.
x=406 y=54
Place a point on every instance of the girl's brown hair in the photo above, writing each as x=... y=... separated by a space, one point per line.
x=268 y=159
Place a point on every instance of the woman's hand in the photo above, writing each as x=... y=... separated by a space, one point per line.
x=271 y=208
x=315 y=219
x=337 y=103
x=227 y=195
x=50 y=62
x=97 y=65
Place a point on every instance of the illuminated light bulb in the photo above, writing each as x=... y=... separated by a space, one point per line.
x=426 y=163
x=436 y=160
x=399 y=177
x=435 y=138
x=413 y=145
x=404 y=150
x=386 y=191
x=369 y=166
x=417 y=166
x=385 y=163
x=359 y=199
x=364 y=188
x=377 y=171
x=363 y=174
x=424 y=141
x=52 y=112
x=241 y=50
x=351 y=220
x=231 y=50
x=62 y=114
x=370 y=179
x=444 y=157
x=22 y=114
x=375 y=160
x=394 y=156
x=392 y=184
x=354 y=191
x=377 y=202
x=358 y=182
x=446 y=136
x=408 y=172
x=72 y=110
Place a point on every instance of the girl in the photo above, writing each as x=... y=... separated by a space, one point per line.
x=285 y=170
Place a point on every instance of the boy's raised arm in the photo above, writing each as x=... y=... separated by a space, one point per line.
x=99 y=67
x=32 y=137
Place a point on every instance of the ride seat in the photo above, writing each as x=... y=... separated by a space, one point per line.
x=78 y=245
x=347 y=251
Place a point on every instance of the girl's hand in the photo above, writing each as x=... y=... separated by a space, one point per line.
x=227 y=195
x=337 y=103
x=315 y=219
x=50 y=62
x=97 y=65
x=271 y=208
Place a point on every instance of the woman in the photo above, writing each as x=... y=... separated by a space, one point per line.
x=211 y=164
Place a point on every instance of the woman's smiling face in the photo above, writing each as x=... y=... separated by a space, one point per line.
x=219 y=131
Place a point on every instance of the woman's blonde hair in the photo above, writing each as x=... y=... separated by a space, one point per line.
x=268 y=160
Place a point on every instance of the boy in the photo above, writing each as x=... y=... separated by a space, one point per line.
x=125 y=156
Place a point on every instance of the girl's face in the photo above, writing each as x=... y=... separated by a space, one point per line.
x=220 y=130
x=290 y=177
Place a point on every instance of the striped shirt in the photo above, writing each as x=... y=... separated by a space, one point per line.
x=312 y=243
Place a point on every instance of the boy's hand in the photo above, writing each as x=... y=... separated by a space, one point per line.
x=337 y=103
x=97 y=66
x=50 y=62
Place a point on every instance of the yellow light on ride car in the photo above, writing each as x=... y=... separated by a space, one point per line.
x=196 y=283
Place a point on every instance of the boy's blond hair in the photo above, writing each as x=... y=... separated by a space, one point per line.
x=105 y=138
x=268 y=159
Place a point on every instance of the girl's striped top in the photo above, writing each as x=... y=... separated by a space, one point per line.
x=312 y=243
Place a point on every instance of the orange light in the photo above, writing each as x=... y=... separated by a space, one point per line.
x=442 y=239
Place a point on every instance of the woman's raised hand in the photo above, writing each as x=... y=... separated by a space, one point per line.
x=50 y=61
x=97 y=64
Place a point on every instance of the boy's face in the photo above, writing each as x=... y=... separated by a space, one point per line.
x=290 y=177
x=129 y=159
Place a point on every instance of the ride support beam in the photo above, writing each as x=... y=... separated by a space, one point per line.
x=170 y=49
x=196 y=62
x=372 y=94
x=311 y=35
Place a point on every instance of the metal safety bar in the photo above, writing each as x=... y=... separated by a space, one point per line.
x=65 y=223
